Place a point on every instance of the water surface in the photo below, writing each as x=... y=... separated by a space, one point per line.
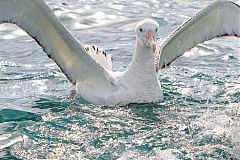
x=199 y=118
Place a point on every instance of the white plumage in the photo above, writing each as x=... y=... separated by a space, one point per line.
x=104 y=59
x=221 y=18
x=91 y=69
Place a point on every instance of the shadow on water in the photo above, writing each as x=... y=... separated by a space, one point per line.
x=8 y=115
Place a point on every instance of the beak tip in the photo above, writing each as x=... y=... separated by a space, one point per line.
x=154 y=46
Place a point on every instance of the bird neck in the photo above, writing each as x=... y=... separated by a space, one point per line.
x=142 y=63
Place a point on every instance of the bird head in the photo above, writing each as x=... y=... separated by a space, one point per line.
x=147 y=31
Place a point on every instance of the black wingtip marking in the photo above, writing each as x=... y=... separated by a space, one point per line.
x=49 y=56
x=87 y=48
x=235 y=4
x=64 y=4
x=2 y=22
x=93 y=47
x=104 y=53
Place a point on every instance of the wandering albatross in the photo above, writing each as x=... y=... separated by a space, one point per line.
x=89 y=68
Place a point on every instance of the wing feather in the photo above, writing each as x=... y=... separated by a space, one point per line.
x=104 y=59
x=222 y=18
x=37 y=19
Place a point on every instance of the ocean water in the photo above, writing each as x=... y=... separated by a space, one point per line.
x=199 y=118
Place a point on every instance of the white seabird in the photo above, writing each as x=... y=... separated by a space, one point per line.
x=89 y=68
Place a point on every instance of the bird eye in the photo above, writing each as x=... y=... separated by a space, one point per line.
x=156 y=29
x=140 y=29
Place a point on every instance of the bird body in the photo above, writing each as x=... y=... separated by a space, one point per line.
x=137 y=84
x=92 y=74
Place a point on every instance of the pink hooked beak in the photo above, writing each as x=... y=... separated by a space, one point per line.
x=149 y=39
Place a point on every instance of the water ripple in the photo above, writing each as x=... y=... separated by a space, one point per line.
x=199 y=118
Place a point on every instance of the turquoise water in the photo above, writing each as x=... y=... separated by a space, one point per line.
x=199 y=118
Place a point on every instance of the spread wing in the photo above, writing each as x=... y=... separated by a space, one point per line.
x=221 y=18
x=37 y=19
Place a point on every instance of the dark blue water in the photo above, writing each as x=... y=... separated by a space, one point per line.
x=199 y=118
